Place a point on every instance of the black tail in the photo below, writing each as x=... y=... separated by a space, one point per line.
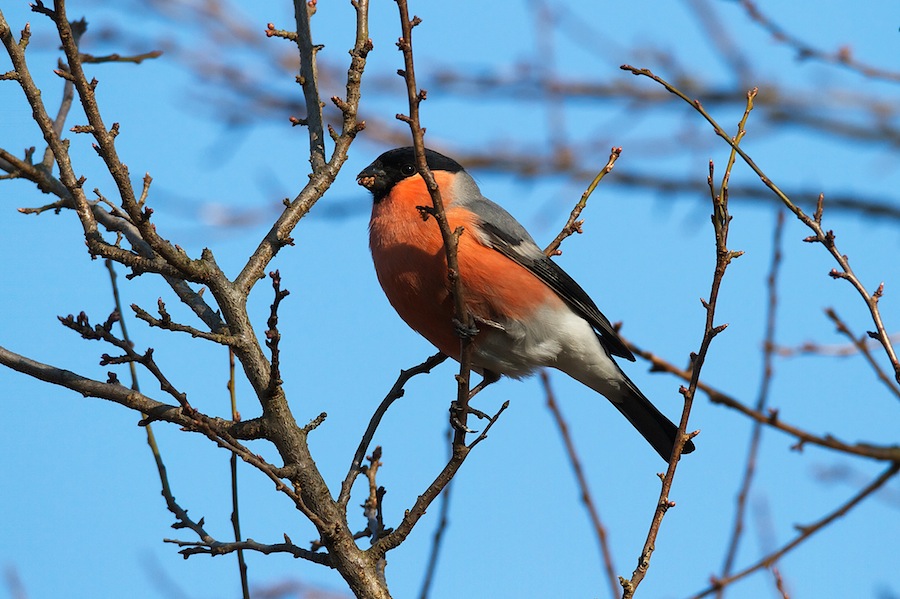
x=659 y=431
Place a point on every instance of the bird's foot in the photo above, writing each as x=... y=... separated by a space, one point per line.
x=464 y=330
x=455 y=420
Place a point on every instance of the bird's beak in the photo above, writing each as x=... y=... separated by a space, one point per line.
x=369 y=176
x=367 y=181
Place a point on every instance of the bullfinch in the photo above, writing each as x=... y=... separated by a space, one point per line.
x=528 y=312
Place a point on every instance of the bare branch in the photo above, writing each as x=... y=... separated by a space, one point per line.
x=116 y=392
x=814 y=223
x=862 y=346
x=842 y=57
x=395 y=393
x=465 y=325
x=721 y=221
x=805 y=532
x=573 y=225
x=423 y=501
x=437 y=539
x=309 y=81
x=888 y=453
x=324 y=175
x=586 y=496
x=210 y=546
x=115 y=57
x=761 y=401
x=235 y=507
x=273 y=336
x=165 y=322
x=372 y=507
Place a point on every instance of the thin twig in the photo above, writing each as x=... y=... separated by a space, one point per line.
x=148 y=427
x=273 y=336
x=272 y=31
x=309 y=81
x=118 y=310
x=60 y=121
x=779 y=582
x=115 y=57
x=889 y=453
x=212 y=547
x=573 y=225
x=235 y=510
x=820 y=235
x=842 y=57
x=395 y=393
x=721 y=220
x=323 y=175
x=805 y=532
x=166 y=490
x=443 y=523
x=165 y=322
x=586 y=497
x=423 y=501
x=861 y=345
x=372 y=509
x=464 y=322
x=761 y=401
x=812 y=348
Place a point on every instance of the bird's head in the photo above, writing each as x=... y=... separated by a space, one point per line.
x=398 y=164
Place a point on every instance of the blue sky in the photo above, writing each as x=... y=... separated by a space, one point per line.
x=84 y=517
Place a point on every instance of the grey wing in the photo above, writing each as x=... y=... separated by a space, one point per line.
x=504 y=233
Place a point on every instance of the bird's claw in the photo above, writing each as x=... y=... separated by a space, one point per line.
x=456 y=423
x=459 y=426
x=464 y=330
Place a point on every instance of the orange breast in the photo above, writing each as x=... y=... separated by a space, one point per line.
x=411 y=265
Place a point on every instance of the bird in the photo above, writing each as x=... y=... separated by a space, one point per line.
x=528 y=312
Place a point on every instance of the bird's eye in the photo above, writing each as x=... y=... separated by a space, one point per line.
x=408 y=169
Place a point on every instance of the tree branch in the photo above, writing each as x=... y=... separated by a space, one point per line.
x=586 y=497
x=322 y=177
x=210 y=546
x=395 y=393
x=573 y=225
x=464 y=323
x=309 y=81
x=721 y=220
x=114 y=391
x=814 y=222
x=888 y=453
x=761 y=401
x=805 y=532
